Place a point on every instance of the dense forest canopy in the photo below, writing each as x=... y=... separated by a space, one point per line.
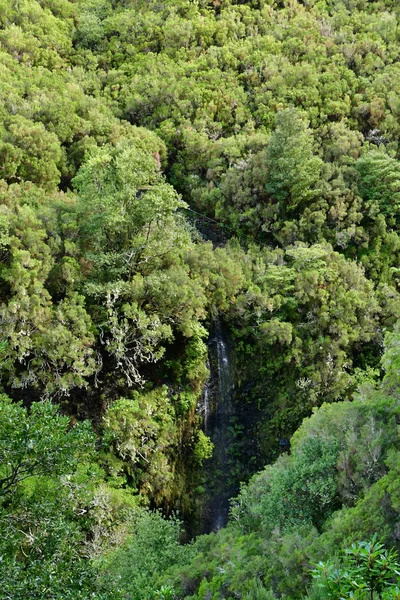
x=166 y=166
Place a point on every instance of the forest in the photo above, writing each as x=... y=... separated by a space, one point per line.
x=199 y=299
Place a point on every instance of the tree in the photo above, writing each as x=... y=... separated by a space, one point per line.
x=38 y=444
x=139 y=435
x=42 y=504
x=138 y=286
x=140 y=565
x=379 y=184
x=35 y=152
x=293 y=171
x=367 y=569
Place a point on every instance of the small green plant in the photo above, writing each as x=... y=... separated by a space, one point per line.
x=367 y=571
x=203 y=448
x=166 y=592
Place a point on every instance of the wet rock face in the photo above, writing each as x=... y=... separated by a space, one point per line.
x=217 y=410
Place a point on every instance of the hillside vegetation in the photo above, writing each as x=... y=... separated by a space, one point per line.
x=164 y=164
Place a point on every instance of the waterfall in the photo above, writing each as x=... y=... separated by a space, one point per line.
x=205 y=403
x=217 y=409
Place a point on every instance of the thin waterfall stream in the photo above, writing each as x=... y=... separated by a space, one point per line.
x=217 y=409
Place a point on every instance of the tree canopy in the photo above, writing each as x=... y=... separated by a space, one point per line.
x=170 y=173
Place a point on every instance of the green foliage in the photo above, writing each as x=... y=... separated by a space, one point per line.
x=295 y=491
x=71 y=295
x=338 y=485
x=303 y=316
x=203 y=448
x=379 y=183
x=123 y=196
x=140 y=433
x=34 y=153
x=292 y=170
x=37 y=444
x=279 y=121
x=166 y=592
x=152 y=548
x=367 y=569
x=42 y=504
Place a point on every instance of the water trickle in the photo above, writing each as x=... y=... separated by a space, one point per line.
x=217 y=410
x=205 y=404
